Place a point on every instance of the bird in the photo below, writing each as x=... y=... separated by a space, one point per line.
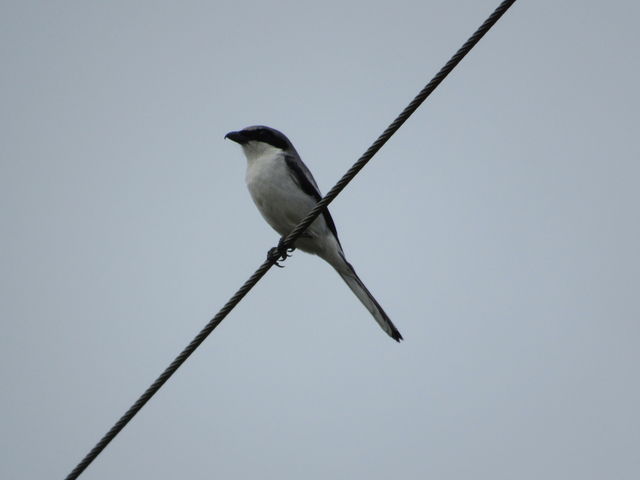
x=284 y=190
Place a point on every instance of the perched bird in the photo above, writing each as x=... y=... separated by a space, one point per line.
x=284 y=191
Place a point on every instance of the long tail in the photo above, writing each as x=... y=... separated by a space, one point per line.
x=349 y=275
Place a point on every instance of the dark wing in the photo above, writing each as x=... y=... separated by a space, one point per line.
x=308 y=186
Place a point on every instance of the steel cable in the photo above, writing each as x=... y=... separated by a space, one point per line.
x=290 y=239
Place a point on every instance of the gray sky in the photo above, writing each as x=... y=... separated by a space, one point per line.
x=499 y=229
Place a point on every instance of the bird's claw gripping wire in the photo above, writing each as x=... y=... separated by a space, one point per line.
x=280 y=253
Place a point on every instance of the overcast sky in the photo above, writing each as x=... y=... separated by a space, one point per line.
x=499 y=228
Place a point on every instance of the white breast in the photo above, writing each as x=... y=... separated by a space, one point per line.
x=274 y=191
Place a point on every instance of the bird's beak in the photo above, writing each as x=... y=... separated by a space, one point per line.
x=238 y=137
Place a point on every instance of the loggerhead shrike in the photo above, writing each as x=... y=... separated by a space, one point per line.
x=284 y=191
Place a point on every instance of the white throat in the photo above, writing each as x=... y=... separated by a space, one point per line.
x=257 y=150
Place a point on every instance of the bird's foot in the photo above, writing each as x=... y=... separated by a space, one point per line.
x=280 y=253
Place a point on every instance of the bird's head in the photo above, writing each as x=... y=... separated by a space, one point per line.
x=259 y=140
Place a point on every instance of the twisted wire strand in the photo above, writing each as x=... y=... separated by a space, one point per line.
x=289 y=240
x=397 y=123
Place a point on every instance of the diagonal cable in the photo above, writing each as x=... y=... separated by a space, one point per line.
x=397 y=123
x=290 y=239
